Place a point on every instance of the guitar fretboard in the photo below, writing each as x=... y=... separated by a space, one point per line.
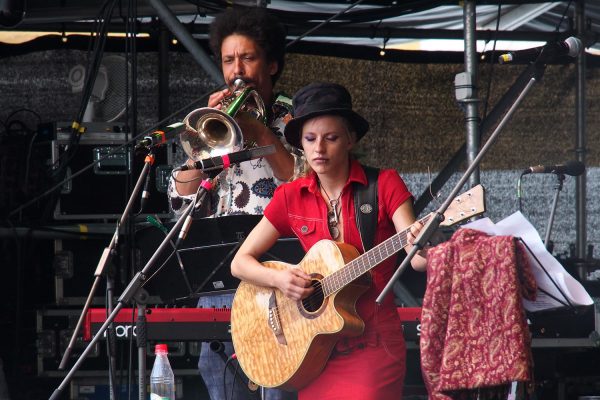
x=366 y=261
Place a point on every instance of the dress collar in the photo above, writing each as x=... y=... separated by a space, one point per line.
x=357 y=174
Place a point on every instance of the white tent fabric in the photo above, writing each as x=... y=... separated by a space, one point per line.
x=368 y=23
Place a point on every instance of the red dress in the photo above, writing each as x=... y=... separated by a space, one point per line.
x=371 y=366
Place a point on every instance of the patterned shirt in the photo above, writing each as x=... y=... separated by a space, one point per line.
x=245 y=188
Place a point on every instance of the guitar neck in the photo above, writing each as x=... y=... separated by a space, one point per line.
x=367 y=261
x=465 y=206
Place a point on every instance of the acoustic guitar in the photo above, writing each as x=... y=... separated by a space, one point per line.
x=280 y=342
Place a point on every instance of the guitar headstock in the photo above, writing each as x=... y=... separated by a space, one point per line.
x=465 y=206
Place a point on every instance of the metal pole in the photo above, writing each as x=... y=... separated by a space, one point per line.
x=142 y=342
x=175 y=26
x=471 y=112
x=557 y=188
x=580 y=146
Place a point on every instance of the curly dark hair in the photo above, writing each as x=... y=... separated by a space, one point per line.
x=255 y=23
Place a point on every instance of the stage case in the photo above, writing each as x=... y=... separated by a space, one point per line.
x=54 y=328
x=101 y=192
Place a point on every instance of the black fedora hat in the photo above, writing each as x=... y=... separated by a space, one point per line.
x=322 y=98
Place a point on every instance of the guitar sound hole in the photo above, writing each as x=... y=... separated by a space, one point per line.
x=313 y=302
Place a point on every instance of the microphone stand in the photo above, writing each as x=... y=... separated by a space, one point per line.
x=132 y=290
x=100 y=271
x=558 y=188
x=111 y=338
x=141 y=335
x=431 y=226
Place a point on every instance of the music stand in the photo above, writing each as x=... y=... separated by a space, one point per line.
x=566 y=302
x=576 y=320
x=206 y=255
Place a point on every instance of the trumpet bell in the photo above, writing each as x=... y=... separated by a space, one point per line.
x=210 y=133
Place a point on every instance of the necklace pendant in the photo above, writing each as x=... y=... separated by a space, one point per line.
x=334 y=204
x=331 y=219
x=334 y=231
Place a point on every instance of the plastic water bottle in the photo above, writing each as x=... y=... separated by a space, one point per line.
x=162 y=380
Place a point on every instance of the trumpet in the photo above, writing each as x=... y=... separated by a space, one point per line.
x=210 y=132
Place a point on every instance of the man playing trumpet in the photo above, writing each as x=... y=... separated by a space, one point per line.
x=250 y=45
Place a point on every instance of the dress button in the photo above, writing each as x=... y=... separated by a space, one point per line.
x=304 y=229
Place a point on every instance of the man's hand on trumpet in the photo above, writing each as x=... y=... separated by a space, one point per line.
x=216 y=99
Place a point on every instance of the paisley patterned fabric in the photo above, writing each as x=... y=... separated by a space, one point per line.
x=474 y=336
x=264 y=187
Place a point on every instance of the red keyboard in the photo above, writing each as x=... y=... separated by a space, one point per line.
x=165 y=323
x=182 y=324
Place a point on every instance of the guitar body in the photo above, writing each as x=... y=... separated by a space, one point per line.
x=280 y=342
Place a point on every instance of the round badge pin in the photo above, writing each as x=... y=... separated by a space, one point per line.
x=366 y=208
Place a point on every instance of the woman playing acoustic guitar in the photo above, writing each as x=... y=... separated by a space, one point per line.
x=357 y=363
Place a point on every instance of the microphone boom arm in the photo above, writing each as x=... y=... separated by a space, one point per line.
x=433 y=223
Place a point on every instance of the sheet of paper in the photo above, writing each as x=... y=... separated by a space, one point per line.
x=556 y=287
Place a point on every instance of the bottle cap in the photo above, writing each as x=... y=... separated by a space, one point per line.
x=161 y=348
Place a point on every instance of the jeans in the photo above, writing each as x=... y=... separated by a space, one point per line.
x=211 y=365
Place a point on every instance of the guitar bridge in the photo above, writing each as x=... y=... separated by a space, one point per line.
x=274 y=320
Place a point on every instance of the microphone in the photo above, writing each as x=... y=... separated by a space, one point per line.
x=226 y=160
x=145 y=193
x=160 y=137
x=569 y=47
x=573 y=168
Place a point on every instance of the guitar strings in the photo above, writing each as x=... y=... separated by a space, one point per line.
x=318 y=289
x=403 y=241
x=318 y=286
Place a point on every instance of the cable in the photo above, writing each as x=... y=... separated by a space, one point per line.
x=130 y=368
x=110 y=346
x=22 y=127
x=235 y=373
x=519 y=192
x=492 y=63
x=156 y=222
x=162 y=265
x=563 y=16
x=371 y=14
x=92 y=69
x=76 y=129
x=39 y=118
x=308 y=32
x=27 y=162
x=97 y=42
x=131 y=115
x=225 y=377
